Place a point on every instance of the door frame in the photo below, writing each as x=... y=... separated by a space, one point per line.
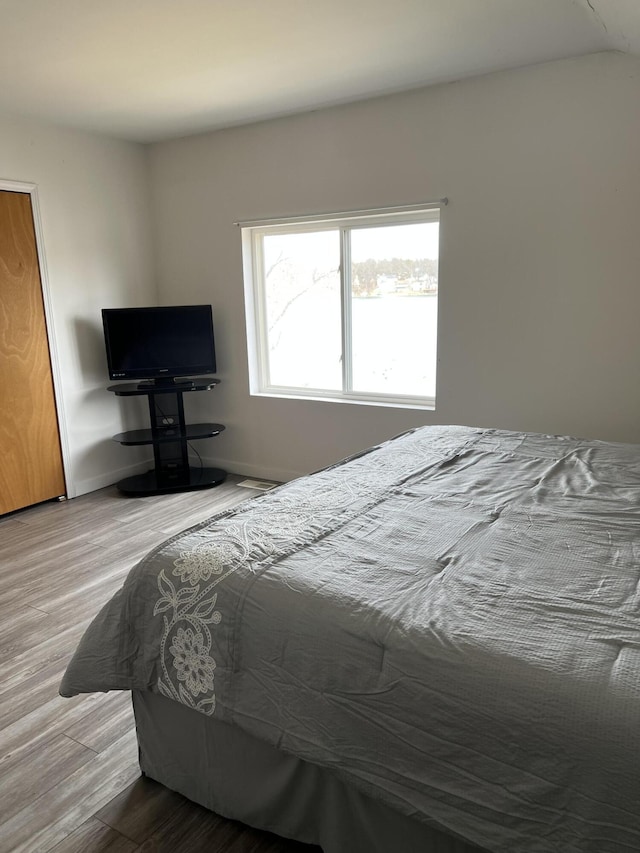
x=56 y=374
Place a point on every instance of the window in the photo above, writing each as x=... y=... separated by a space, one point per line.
x=344 y=307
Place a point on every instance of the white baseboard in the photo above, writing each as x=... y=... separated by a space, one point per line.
x=108 y=478
x=258 y=472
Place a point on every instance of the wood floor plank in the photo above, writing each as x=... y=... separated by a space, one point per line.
x=48 y=531
x=11 y=525
x=52 y=817
x=181 y=519
x=76 y=561
x=52 y=651
x=20 y=622
x=190 y=830
x=163 y=508
x=85 y=599
x=102 y=726
x=35 y=565
x=46 y=722
x=95 y=837
x=35 y=691
x=141 y=810
x=193 y=829
x=79 y=610
x=37 y=771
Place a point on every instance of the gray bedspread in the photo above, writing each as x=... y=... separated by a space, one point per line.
x=450 y=622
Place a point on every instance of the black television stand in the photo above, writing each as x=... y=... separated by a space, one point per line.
x=169 y=435
x=166 y=384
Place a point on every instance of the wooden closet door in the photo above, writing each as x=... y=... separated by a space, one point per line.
x=30 y=457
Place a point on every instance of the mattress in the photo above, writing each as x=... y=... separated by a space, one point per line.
x=449 y=623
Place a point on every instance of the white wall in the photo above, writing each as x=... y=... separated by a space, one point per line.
x=540 y=295
x=94 y=202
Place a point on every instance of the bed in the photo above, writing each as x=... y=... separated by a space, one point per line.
x=430 y=647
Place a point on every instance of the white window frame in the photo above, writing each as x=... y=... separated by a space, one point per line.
x=255 y=299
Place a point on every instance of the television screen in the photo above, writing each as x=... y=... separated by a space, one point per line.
x=159 y=343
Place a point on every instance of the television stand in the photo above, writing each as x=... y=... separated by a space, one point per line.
x=166 y=384
x=169 y=435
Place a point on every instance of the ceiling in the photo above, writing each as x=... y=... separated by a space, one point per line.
x=148 y=70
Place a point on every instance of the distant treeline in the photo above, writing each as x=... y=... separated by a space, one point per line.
x=365 y=274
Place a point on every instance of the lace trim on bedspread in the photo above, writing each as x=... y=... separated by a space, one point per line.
x=260 y=534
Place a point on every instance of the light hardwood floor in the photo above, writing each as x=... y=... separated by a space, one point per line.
x=69 y=777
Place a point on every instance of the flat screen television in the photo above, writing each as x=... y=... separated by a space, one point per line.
x=159 y=344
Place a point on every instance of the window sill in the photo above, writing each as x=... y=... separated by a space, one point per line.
x=425 y=404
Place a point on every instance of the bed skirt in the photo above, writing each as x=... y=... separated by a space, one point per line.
x=237 y=776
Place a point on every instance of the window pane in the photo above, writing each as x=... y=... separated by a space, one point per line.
x=394 y=308
x=302 y=296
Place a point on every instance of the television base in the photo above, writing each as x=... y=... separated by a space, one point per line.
x=151 y=484
x=170 y=438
